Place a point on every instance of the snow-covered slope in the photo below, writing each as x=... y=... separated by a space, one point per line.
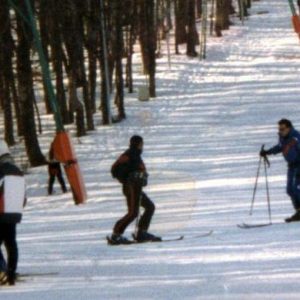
x=202 y=135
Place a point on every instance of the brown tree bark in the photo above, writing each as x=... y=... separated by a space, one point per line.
x=6 y=49
x=25 y=89
x=180 y=23
x=192 y=34
x=147 y=36
x=117 y=52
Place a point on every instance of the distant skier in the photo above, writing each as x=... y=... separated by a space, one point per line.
x=289 y=146
x=12 y=201
x=54 y=170
x=131 y=172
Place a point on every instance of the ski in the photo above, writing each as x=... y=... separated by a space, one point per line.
x=163 y=240
x=179 y=238
x=202 y=235
x=111 y=243
x=249 y=226
x=22 y=275
x=130 y=242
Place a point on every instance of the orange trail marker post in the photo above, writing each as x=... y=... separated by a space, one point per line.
x=64 y=152
x=295 y=18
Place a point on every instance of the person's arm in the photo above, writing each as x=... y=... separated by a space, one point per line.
x=272 y=151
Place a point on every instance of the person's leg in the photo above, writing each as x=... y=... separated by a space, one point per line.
x=291 y=175
x=132 y=195
x=296 y=189
x=2 y=260
x=50 y=184
x=149 y=207
x=61 y=181
x=12 y=251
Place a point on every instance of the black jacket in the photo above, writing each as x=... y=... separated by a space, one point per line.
x=129 y=162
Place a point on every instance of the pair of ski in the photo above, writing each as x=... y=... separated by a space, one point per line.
x=163 y=240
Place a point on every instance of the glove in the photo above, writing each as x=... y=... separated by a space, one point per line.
x=263 y=153
x=139 y=178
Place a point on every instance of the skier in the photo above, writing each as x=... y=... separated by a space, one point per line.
x=12 y=201
x=289 y=146
x=54 y=170
x=131 y=172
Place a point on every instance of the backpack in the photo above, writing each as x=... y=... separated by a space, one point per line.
x=120 y=171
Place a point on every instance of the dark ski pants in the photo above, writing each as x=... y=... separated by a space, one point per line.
x=293 y=186
x=135 y=197
x=52 y=176
x=2 y=262
x=8 y=237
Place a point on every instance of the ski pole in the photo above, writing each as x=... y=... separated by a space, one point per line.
x=267 y=163
x=256 y=181
x=138 y=216
x=255 y=186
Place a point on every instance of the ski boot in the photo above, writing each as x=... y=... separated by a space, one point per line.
x=11 y=278
x=3 y=278
x=144 y=237
x=294 y=218
x=117 y=239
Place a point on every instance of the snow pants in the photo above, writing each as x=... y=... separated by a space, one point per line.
x=293 y=186
x=2 y=262
x=135 y=198
x=8 y=237
x=54 y=171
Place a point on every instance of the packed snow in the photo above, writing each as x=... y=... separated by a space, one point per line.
x=202 y=137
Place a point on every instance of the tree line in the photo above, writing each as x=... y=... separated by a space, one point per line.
x=89 y=46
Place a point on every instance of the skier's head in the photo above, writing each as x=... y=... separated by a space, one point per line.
x=136 y=142
x=284 y=127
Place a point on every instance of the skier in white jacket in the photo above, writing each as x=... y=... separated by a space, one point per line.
x=12 y=201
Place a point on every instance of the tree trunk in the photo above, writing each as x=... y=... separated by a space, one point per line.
x=6 y=49
x=192 y=35
x=117 y=56
x=180 y=22
x=44 y=19
x=73 y=43
x=25 y=88
x=147 y=35
x=57 y=59
x=199 y=8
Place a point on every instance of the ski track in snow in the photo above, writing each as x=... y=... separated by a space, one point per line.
x=202 y=136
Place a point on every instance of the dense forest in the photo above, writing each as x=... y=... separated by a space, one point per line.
x=89 y=47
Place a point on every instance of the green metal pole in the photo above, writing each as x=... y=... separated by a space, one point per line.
x=45 y=69
x=292 y=7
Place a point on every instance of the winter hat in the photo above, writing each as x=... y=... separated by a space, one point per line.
x=135 y=141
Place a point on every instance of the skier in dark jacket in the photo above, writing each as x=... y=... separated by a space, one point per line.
x=12 y=201
x=289 y=146
x=130 y=170
x=54 y=170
